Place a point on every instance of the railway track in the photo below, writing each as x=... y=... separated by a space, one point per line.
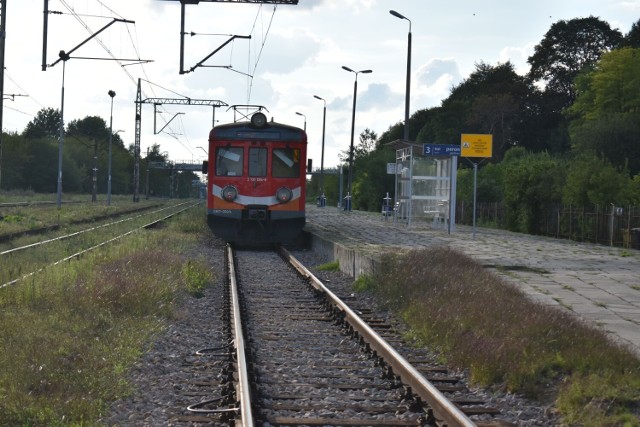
x=302 y=357
x=39 y=203
x=21 y=261
x=8 y=237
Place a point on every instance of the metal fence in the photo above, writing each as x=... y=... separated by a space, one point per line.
x=605 y=225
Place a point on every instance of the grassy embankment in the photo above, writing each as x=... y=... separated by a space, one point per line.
x=477 y=321
x=69 y=334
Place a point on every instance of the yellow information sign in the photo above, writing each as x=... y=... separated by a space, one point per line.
x=476 y=145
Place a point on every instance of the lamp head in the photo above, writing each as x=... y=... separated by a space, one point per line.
x=396 y=14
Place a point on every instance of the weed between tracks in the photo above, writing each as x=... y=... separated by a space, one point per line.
x=69 y=335
x=479 y=322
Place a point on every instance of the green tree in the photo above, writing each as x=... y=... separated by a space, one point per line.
x=40 y=168
x=122 y=171
x=533 y=182
x=635 y=190
x=493 y=100
x=184 y=184
x=367 y=144
x=613 y=86
x=15 y=152
x=632 y=38
x=489 y=185
x=81 y=150
x=94 y=127
x=566 y=49
x=445 y=123
x=605 y=117
x=394 y=133
x=593 y=180
x=331 y=181
x=156 y=170
x=372 y=181
x=46 y=124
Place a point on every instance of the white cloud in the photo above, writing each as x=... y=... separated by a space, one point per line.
x=304 y=48
x=431 y=72
x=518 y=57
x=379 y=97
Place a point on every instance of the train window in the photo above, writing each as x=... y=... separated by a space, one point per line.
x=286 y=163
x=229 y=161
x=257 y=161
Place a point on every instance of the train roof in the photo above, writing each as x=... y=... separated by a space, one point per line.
x=245 y=130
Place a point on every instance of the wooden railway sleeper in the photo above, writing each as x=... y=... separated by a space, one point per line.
x=415 y=402
x=226 y=404
x=338 y=316
x=387 y=373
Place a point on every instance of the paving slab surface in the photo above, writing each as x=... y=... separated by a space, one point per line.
x=600 y=284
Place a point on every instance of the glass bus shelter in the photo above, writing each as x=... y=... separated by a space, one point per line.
x=425 y=186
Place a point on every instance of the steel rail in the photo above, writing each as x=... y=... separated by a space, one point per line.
x=443 y=409
x=37 y=203
x=243 y=389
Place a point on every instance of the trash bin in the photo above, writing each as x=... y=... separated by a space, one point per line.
x=347 y=203
x=635 y=238
x=386 y=206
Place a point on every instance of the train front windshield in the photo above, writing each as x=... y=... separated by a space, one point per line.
x=286 y=163
x=229 y=161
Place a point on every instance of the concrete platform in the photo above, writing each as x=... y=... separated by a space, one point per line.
x=600 y=284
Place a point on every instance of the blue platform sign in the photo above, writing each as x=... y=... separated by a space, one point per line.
x=442 y=150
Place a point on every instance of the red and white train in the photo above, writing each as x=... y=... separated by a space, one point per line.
x=257 y=181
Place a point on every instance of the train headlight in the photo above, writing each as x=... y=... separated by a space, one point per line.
x=258 y=120
x=284 y=195
x=229 y=193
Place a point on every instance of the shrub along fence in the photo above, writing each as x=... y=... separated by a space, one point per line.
x=606 y=225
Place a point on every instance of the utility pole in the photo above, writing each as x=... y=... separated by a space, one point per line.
x=94 y=194
x=147 y=162
x=3 y=36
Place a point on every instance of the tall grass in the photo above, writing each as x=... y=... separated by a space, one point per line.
x=69 y=335
x=479 y=322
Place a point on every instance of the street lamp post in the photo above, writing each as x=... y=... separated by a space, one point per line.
x=353 y=123
x=408 y=89
x=64 y=57
x=111 y=94
x=305 y=120
x=324 y=120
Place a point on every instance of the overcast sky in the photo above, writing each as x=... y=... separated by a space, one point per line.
x=295 y=52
